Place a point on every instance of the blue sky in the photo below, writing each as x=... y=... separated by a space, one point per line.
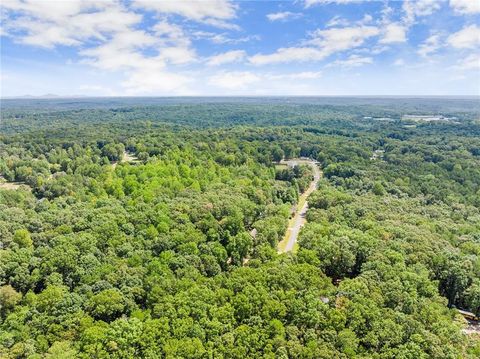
x=221 y=47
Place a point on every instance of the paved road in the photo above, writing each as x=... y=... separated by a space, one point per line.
x=297 y=222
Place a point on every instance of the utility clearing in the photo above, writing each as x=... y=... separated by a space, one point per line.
x=298 y=220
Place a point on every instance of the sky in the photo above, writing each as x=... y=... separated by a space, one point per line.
x=244 y=48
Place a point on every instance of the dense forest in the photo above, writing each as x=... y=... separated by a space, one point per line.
x=148 y=228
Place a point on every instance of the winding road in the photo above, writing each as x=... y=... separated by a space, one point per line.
x=298 y=220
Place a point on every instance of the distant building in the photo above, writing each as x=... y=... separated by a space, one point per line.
x=426 y=118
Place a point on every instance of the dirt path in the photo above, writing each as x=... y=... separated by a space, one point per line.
x=298 y=220
x=472 y=328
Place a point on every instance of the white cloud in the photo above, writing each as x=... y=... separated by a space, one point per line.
x=468 y=37
x=50 y=11
x=352 y=61
x=339 y=39
x=195 y=10
x=309 y=3
x=145 y=73
x=221 y=24
x=337 y=21
x=321 y=44
x=425 y=7
x=377 y=49
x=146 y=57
x=465 y=6
x=177 y=55
x=124 y=49
x=283 y=16
x=471 y=62
x=289 y=54
x=415 y=8
x=118 y=53
x=305 y=75
x=166 y=32
x=213 y=12
x=399 y=62
x=367 y=18
x=430 y=45
x=47 y=24
x=222 y=38
x=226 y=58
x=394 y=32
x=44 y=35
x=234 y=80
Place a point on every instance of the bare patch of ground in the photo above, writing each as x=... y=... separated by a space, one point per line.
x=14 y=186
x=127 y=157
x=472 y=328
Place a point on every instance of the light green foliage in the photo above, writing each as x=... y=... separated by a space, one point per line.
x=9 y=297
x=378 y=189
x=106 y=305
x=22 y=238
x=61 y=350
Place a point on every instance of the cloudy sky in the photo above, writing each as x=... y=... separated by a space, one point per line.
x=221 y=47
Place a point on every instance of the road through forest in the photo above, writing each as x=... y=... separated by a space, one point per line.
x=298 y=220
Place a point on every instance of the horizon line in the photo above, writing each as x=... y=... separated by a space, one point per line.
x=52 y=97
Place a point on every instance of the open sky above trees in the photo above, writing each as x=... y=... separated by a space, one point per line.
x=219 y=47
